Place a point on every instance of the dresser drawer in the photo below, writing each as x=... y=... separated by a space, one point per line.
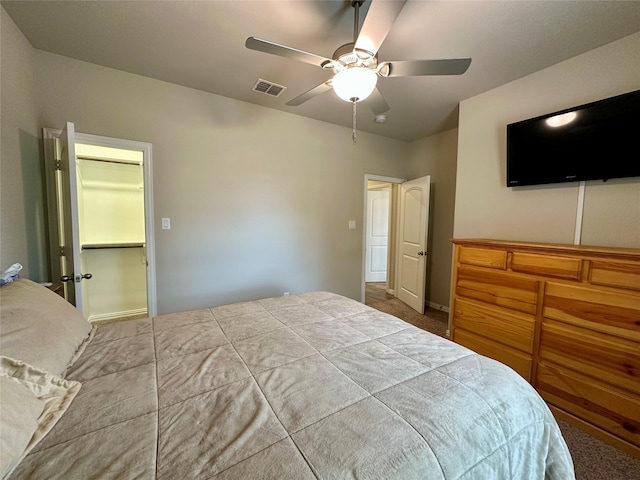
x=611 y=359
x=615 y=313
x=616 y=411
x=565 y=317
x=615 y=274
x=517 y=360
x=547 y=266
x=498 y=288
x=483 y=257
x=508 y=327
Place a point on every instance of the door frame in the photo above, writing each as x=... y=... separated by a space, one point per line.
x=379 y=178
x=50 y=136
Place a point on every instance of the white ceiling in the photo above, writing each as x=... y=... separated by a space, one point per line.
x=200 y=44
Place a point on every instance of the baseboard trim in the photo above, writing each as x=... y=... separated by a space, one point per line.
x=437 y=306
x=115 y=315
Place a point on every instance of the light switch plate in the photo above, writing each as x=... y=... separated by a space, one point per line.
x=352 y=224
x=166 y=224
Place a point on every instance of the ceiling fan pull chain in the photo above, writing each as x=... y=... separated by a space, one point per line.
x=356 y=19
x=353 y=133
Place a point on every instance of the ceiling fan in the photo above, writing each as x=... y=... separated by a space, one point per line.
x=355 y=64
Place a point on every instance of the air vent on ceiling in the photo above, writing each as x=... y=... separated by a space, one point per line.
x=268 y=88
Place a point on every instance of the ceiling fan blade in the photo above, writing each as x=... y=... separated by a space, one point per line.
x=377 y=24
x=376 y=102
x=284 y=51
x=300 y=99
x=413 y=68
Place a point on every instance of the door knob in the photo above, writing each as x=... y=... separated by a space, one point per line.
x=76 y=278
x=421 y=253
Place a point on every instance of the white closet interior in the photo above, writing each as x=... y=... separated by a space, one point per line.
x=112 y=231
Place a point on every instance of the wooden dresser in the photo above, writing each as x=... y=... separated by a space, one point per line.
x=566 y=318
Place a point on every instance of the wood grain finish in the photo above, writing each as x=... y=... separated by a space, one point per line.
x=611 y=409
x=606 y=311
x=548 y=266
x=610 y=358
x=512 y=328
x=498 y=288
x=517 y=360
x=483 y=257
x=616 y=274
x=566 y=318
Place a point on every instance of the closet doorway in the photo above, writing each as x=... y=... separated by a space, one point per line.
x=101 y=215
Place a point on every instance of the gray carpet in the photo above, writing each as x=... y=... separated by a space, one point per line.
x=434 y=321
x=593 y=459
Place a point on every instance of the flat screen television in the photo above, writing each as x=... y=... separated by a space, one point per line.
x=596 y=141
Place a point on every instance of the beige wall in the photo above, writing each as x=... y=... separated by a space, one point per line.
x=259 y=200
x=486 y=208
x=436 y=156
x=23 y=215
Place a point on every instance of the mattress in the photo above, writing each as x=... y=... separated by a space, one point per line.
x=306 y=386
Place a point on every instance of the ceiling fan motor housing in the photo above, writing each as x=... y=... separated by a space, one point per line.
x=348 y=56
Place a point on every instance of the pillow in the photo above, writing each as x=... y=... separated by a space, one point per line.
x=31 y=403
x=39 y=327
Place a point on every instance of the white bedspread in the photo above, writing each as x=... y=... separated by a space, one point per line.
x=307 y=386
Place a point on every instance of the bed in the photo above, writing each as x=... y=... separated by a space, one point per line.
x=305 y=386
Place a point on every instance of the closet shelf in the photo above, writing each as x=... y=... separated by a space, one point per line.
x=95 y=246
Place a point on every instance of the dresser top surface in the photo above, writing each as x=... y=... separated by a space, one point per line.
x=552 y=248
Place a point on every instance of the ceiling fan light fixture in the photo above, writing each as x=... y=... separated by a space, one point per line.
x=354 y=84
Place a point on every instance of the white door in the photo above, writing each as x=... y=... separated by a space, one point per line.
x=377 y=235
x=412 y=242
x=72 y=275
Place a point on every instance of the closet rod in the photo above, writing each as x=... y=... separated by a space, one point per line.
x=109 y=160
